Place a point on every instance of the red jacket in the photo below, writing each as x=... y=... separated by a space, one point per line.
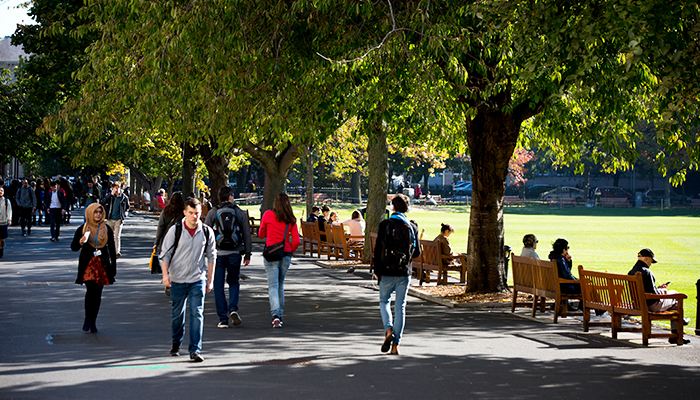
x=273 y=230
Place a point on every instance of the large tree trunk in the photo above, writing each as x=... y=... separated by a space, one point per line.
x=378 y=164
x=355 y=192
x=277 y=165
x=492 y=139
x=189 y=168
x=217 y=166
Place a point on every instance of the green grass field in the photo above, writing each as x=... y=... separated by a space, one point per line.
x=601 y=239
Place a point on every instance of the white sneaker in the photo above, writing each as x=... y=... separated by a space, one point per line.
x=276 y=323
x=222 y=325
x=235 y=318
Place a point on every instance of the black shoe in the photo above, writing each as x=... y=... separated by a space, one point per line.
x=29 y=232
x=24 y=233
x=2 y=251
x=686 y=321
x=86 y=325
x=93 y=326
x=675 y=341
x=387 y=343
x=53 y=239
x=175 y=350
x=196 y=357
x=57 y=239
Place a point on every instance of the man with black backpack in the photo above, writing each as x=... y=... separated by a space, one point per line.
x=397 y=245
x=233 y=242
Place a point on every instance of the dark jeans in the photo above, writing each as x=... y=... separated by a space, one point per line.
x=25 y=218
x=229 y=265
x=55 y=214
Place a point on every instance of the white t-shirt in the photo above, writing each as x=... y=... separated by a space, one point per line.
x=356 y=226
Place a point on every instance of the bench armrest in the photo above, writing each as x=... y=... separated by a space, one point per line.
x=562 y=280
x=677 y=296
x=454 y=257
x=354 y=237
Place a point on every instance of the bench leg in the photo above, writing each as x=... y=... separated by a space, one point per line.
x=586 y=318
x=616 y=322
x=534 y=305
x=557 y=310
x=515 y=297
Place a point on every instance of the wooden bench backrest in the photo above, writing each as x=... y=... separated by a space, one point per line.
x=539 y=276
x=305 y=230
x=338 y=236
x=329 y=235
x=625 y=293
x=430 y=253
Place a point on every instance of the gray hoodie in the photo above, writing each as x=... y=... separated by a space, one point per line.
x=188 y=264
x=26 y=197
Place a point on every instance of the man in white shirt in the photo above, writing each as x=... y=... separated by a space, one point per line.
x=56 y=204
x=5 y=218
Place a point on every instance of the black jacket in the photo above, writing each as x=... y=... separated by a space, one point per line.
x=108 y=256
x=647 y=278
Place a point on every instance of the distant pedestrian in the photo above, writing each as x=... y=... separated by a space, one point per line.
x=189 y=276
x=233 y=243
x=55 y=202
x=26 y=201
x=97 y=263
x=5 y=218
x=397 y=245
x=92 y=193
x=116 y=206
x=279 y=226
x=529 y=246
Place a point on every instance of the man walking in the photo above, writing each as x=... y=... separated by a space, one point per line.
x=233 y=241
x=55 y=202
x=184 y=249
x=5 y=218
x=26 y=201
x=116 y=206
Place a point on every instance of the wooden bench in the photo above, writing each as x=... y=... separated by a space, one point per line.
x=333 y=247
x=563 y=202
x=340 y=239
x=512 y=201
x=614 y=202
x=322 y=198
x=694 y=203
x=624 y=295
x=254 y=226
x=541 y=279
x=432 y=260
x=309 y=231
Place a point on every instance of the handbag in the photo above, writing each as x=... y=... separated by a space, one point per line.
x=275 y=252
x=154 y=265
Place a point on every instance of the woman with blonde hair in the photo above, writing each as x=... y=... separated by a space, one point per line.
x=97 y=263
x=278 y=226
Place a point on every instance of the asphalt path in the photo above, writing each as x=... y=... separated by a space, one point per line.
x=328 y=348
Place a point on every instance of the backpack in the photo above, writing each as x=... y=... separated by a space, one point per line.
x=398 y=247
x=227 y=228
x=178 y=234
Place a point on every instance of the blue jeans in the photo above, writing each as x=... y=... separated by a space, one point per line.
x=387 y=285
x=179 y=293
x=276 y=271
x=56 y=217
x=228 y=268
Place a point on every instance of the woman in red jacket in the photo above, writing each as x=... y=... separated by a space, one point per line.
x=277 y=225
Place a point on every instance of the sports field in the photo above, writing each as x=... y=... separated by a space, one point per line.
x=601 y=239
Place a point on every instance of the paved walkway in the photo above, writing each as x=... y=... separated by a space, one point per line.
x=328 y=348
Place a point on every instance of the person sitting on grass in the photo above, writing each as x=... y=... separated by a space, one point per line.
x=529 y=246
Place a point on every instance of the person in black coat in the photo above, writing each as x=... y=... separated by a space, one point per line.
x=97 y=264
